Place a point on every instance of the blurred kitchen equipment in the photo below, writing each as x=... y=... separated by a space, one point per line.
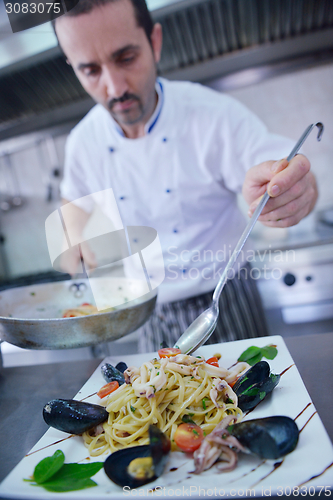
x=50 y=167
x=203 y=326
x=31 y=316
x=13 y=197
x=297 y=288
x=325 y=217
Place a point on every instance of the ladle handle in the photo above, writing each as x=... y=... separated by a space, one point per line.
x=258 y=211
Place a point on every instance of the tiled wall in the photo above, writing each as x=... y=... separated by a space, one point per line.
x=287 y=104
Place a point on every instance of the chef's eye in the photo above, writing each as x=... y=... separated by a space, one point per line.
x=91 y=71
x=127 y=58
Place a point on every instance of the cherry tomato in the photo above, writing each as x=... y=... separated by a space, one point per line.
x=188 y=437
x=233 y=383
x=168 y=352
x=85 y=304
x=68 y=314
x=213 y=361
x=107 y=389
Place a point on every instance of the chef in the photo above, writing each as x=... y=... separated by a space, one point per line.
x=175 y=155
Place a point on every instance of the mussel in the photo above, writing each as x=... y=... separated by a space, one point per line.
x=139 y=465
x=75 y=417
x=121 y=366
x=254 y=385
x=270 y=437
x=110 y=373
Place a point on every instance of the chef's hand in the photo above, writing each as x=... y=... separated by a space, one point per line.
x=75 y=220
x=70 y=261
x=292 y=188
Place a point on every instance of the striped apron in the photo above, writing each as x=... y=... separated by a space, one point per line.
x=241 y=315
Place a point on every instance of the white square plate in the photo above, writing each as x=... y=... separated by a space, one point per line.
x=308 y=469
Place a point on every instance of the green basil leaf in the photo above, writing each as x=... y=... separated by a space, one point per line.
x=53 y=474
x=255 y=359
x=269 y=351
x=254 y=354
x=249 y=353
x=47 y=467
x=69 y=485
x=77 y=471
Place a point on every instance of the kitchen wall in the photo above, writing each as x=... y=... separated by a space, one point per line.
x=286 y=103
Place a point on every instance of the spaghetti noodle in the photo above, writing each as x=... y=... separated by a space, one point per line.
x=165 y=392
x=83 y=310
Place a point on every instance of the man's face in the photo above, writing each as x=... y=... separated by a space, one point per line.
x=113 y=59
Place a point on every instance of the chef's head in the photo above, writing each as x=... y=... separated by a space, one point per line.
x=113 y=47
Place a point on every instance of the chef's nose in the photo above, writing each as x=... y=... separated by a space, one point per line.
x=115 y=82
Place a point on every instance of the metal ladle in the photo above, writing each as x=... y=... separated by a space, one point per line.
x=203 y=327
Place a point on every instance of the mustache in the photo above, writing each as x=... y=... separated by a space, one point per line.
x=125 y=97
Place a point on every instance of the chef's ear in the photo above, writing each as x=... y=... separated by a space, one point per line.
x=156 y=38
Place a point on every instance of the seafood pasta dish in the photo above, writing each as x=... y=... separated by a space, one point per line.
x=176 y=402
x=166 y=392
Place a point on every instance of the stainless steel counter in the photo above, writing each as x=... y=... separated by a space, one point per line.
x=24 y=391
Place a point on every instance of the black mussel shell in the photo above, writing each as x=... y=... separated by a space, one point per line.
x=121 y=366
x=254 y=385
x=110 y=373
x=116 y=464
x=256 y=373
x=159 y=448
x=74 y=417
x=271 y=437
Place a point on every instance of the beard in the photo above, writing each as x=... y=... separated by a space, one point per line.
x=128 y=116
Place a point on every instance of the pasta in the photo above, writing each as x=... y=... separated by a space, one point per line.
x=162 y=392
x=83 y=310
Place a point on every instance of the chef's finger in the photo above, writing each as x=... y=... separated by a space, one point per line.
x=279 y=165
x=70 y=261
x=264 y=172
x=293 y=193
x=261 y=176
x=88 y=257
x=289 y=221
x=289 y=209
x=298 y=167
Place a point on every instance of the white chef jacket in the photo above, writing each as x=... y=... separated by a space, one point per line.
x=181 y=178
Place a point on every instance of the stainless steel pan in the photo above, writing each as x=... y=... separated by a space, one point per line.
x=31 y=316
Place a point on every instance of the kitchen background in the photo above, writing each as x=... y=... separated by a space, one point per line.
x=276 y=57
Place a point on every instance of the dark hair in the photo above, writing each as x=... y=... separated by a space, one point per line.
x=141 y=12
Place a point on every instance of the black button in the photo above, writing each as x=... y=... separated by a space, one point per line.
x=289 y=279
x=308 y=278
